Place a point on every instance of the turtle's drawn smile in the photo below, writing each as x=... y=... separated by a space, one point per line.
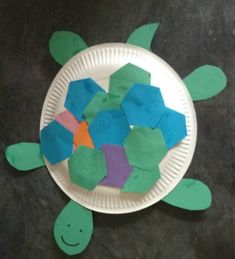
x=68 y=244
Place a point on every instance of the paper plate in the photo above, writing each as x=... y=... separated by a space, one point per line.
x=99 y=62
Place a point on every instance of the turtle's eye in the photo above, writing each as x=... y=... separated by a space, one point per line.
x=68 y=225
x=80 y=230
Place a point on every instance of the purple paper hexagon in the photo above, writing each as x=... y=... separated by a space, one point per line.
x=118 y=169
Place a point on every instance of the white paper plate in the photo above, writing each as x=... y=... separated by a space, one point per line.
x=99 y=62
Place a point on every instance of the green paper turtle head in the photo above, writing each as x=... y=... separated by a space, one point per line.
x=73 y=228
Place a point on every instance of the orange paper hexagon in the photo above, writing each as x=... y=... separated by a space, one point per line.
x=82 y=136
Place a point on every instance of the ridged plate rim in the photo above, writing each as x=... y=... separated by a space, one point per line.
x=177 y=161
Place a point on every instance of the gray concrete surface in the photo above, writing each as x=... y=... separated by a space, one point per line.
x=192 y=33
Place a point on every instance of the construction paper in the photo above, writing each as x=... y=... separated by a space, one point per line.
x=73 y=228
x=63 y=45
x=109 y=127
x=82 y=136
x=67 y=120
x=190 y=194
x=87 y=167
x=118 y=169
x=173 y=127
x=143 y=35
x=101 y=101
x=56 y=142
x=143 y=105
x=205 y=82
x=145 y=147
x=24 y=156
x=141 y=181
x=79 y=94
x=124 y=78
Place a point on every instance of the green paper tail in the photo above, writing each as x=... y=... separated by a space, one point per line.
x=73 y=228
x=24 y=156
x=63 y=45
x=205 y=82
x=190 y=194
x=143 y=35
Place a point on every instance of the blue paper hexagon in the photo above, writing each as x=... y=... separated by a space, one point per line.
x=79 y=94
x=173 y=127
x=109 y=127
x=56 y=142
x=143 y=105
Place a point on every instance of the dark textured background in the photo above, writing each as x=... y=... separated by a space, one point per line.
x=192 y=33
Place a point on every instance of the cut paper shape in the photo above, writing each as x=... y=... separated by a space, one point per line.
x=63 y=45
x=145 y=148
x=173 y=127
x=73 y=228
x=56 y=142
x=143 y=35
x=190 y=194
x=141 y=181
x=205 y=82
x=79 y=94
x=109 y=127
x=24 y=156
x=87 y=167
x=82 y=136
x=101 y=101
x=67 y=120
x=118 y=169
x=143 y=105
x=124 y=78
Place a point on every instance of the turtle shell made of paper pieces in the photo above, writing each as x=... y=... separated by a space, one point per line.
x=117 y=138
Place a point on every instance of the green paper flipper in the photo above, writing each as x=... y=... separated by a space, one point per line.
x=205 y=82
x=63 y=45
x=143 y=35
x=73 y=228
x=25 y=156
x=190 y=194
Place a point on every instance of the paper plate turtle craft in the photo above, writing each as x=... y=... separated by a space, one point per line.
x=115 y=138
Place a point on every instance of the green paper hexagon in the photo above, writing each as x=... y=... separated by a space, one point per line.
x=141 y=181
x=101 y=101
x=124 y=78
x=145 y=147
x=87 y=167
